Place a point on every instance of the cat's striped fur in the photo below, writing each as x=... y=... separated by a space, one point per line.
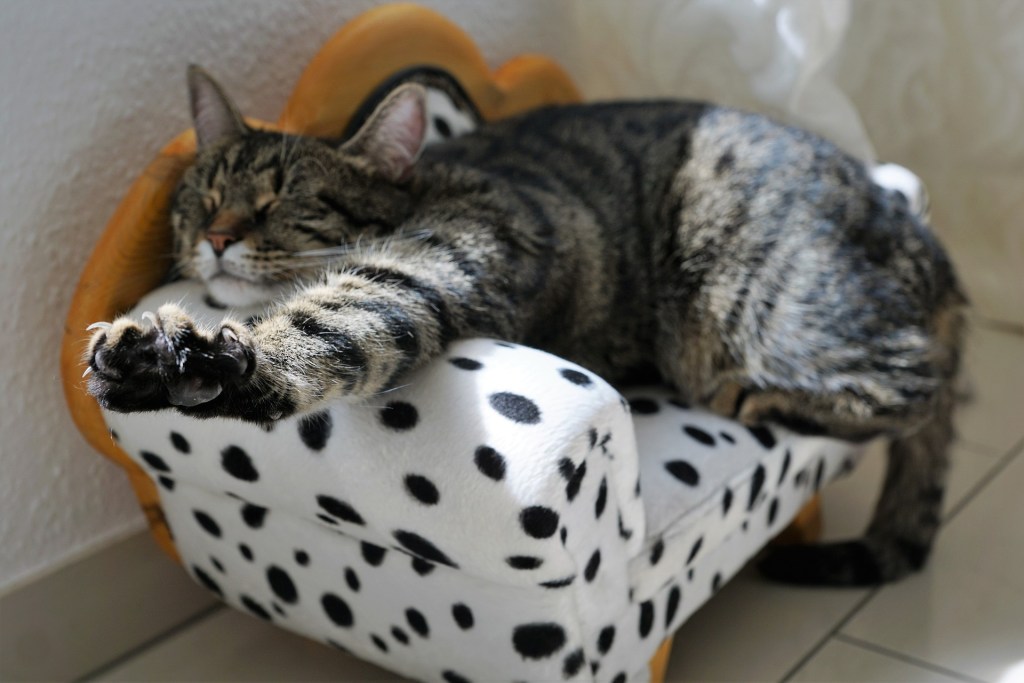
x=754 y=266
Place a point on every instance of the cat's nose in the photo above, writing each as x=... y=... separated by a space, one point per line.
x=220 y=241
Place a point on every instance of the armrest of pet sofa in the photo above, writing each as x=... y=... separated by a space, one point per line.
x=503 y=461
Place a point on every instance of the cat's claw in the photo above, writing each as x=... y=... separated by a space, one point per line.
x=99 y=326
x=166 y=360
x=88 y=371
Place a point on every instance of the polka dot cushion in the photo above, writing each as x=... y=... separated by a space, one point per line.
x=494 y=515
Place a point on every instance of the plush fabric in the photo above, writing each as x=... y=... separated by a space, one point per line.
x=504 y=515
x=492 y=515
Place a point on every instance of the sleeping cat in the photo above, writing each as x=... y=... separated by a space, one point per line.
x=755 y=267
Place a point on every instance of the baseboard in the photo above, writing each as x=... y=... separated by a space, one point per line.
x=82 y=616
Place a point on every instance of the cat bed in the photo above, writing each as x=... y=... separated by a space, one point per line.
x=504 y=513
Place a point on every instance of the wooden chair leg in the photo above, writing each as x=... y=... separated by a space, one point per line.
x=659 y=662
x=805 y=527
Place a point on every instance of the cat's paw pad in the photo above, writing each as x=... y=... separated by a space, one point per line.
x=166 y=359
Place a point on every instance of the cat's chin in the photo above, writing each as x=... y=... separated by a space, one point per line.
x=239 y=293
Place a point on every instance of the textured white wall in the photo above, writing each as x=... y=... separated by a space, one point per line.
x=88 y=92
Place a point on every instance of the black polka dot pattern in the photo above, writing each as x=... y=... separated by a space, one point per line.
x=490 y=463
x=656 y=551
x=442 y=127
x=315 y=430
x=373 y=554
x=254 y=515
x=399 y=416
x=694 y=550
x=238 y=464
x=463 y=616
x=352 y=579
x=683 y=471
x=515 y=407
x=452 y=677
x=573 y=663
x=155 y=461
x=207 y=582
x=646 y=618
x=422 y=489
x=699 y=435
x=466 y=363
x=643 y=406
x=593 y=564
x=418 y=545
x=180 y=443
x=764 y=436
x=786 y=460
x=675 y=595
x=572 y=488
x=421 y=566
x=302 y=557
x=578 y=378
x=282 y=585
x=539 y=521
x=417 y=622
x=337 y=610
x=339 y=510
x=538 y=641
x=602 y=498
x=524 y=562
x=207 y=522
x=558 y=583
x=256 y=608
x=756 y=482
x=606 y=639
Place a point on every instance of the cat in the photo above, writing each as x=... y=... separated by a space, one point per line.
x=753 y=266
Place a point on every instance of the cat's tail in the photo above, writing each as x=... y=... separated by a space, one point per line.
x=909 y=509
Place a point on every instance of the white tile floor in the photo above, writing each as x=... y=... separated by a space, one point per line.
x=960 y=620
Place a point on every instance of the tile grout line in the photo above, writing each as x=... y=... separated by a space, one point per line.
x=835 y=631
x=117 y=661
x=828 y=636
x=905 y=658
x=1002 y=463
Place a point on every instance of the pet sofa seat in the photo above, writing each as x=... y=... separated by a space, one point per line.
x=505 y=514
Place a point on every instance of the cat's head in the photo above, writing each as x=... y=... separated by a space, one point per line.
x=260 y=210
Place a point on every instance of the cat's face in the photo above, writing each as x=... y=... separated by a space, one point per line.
x=260 y=211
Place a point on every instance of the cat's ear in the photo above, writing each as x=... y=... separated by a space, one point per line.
x=214 y=115
x=392 y=138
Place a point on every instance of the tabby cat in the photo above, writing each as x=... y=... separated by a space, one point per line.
x=755 y=267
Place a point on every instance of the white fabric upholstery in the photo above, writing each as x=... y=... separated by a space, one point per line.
x=493 y=518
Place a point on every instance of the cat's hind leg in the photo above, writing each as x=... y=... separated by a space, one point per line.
x=910 y=402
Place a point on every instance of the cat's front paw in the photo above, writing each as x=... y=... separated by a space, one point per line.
x=166 y=360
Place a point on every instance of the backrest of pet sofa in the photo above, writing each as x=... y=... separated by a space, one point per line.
x=131 y=257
